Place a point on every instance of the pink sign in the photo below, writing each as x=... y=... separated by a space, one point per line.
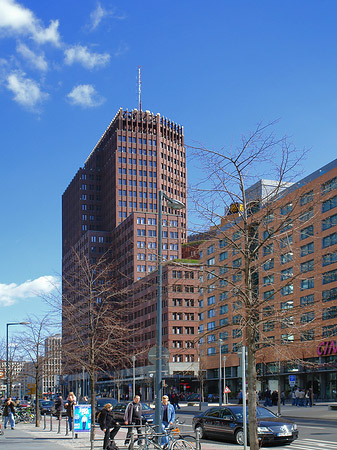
x=327 y=348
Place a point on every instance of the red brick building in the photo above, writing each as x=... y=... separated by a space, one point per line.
x=296 y=285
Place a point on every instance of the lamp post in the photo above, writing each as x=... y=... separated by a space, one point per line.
x=174 y=204
x=224 y=380
x=220 y=389
x=7 y=364
x=133 y=376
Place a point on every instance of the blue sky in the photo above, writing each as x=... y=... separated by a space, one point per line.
x=216 y=67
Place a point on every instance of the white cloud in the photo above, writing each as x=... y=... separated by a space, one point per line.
x=26 y=91
x=17 y=20
x=96 y=16
x=82 y=55
x=86 y=96
x=12 y=293
x=35 y=60
x=100 y=13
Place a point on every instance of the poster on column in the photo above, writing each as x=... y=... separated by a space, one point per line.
x=82 y=418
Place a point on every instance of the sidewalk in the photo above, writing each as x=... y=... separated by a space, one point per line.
x=36 y=438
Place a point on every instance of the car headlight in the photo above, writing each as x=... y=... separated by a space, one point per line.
x=263 y=430
x=294 y=427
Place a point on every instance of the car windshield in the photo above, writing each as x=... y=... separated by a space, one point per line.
x=146 y=407
x=103 y=401
x=260 y=413
x=47 y=403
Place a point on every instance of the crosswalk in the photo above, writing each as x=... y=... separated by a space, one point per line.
x=307 y=444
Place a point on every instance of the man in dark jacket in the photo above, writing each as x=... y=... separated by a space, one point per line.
x=133 y=416
x=8 y=413
x=59 y=407
x=109 y=426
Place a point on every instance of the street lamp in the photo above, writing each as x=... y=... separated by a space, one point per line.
x=224 y=380
x=7 y=365
x=220 y=390
x=174 y=204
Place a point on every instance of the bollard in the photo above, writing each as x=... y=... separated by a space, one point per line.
x=51 y=423
x=59 y=426
x=132 y=441
x=44 y=421
x=197 y=440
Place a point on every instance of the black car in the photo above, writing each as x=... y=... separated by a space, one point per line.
x=226 y=422
x=47 y=407
x=100 y=402
x=118 y=412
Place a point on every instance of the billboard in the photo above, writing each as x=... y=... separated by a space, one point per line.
x=82 y=418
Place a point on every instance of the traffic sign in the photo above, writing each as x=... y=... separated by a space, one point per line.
x=227 y=390
x=292 y=380
x=152 y=355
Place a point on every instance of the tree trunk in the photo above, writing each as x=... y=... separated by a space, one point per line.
x=253 y=438
x=92 y=401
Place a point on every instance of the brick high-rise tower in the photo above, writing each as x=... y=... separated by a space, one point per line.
x=112 y=200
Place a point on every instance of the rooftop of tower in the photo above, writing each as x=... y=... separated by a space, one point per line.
x=136 y=115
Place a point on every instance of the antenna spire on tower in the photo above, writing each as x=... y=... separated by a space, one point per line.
x=139 y=89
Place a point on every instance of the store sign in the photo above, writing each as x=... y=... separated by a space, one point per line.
x=327 y=348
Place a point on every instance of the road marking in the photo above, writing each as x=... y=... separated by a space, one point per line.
x=308 y=444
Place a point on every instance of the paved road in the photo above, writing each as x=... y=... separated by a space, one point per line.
x=316 y=425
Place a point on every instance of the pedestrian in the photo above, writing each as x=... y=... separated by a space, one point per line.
x=274 y=398
x=59 y=407
x=175 y=401
x=293 y=397
x=267 y=397
x=69 y=406
x=301 y=397
x=109 y=426
x=310 y=396
x=133 y=416
x=297 y=397
x=167 y=418
x=8 y=413
x=240 y=397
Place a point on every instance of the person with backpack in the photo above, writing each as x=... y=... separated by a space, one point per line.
x=133 y=416
x=9 y=412
x=110 y=427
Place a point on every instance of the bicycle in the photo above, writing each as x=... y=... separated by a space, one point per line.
x=175 y=439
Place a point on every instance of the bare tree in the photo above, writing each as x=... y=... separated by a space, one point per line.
x=32 y=341
x=96 y=336
x=247 y=221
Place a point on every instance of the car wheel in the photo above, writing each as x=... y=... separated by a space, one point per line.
x=199 y=429
x=239 y=437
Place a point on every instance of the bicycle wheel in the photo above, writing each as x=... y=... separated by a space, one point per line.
x=181 y=444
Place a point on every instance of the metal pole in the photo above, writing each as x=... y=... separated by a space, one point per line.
x=220 y=388
x=7 y=365
x=158 y=386
x=134 y=375
x=244 y=404
x=224 y=380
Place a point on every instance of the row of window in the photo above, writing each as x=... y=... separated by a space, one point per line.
x=141 y=151
x=141 y=173
x=141 y=205
x=140 y=140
